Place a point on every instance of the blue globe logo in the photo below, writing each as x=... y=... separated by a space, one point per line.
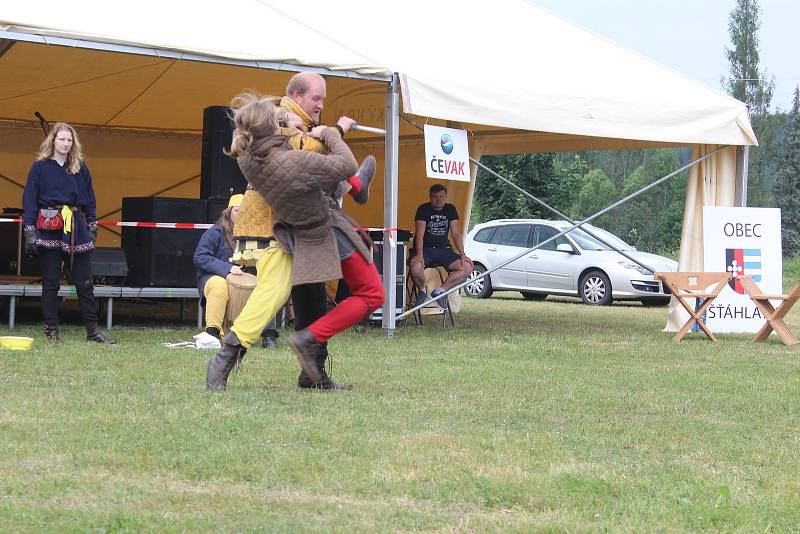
x=447 y=144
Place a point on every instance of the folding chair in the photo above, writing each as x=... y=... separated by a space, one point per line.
x=411 y=297
x=412 y=291
x=694 y=285
x=774 y=316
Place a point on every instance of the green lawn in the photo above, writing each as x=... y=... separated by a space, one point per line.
x=532 y=416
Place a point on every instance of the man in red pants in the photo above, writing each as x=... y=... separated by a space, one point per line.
x=298 y=184
x=304 y=101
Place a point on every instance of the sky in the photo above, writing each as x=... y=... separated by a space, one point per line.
x=690 y=36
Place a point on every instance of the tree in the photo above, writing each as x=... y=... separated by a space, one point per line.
x=787 y=187
x=746 y=83
x=597 y=192
x=755 y=88
x=652 y=221
x=534 y=173
x=636 y=224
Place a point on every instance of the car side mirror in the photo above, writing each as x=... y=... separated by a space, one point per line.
x=565 y=247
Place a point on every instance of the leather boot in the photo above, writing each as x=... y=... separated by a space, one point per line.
x=93 y=333
x=326 y=382
x=365 y=174
x=306 y=347
x=51 y=333
x=221 y=365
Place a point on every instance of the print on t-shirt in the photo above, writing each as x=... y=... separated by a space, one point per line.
x=437 y=224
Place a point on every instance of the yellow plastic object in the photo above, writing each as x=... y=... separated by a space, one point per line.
x=16 y=342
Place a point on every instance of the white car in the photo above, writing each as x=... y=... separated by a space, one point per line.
x=574 y=264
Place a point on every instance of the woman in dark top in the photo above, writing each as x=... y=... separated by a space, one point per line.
x=59 y=225
x=212 y=259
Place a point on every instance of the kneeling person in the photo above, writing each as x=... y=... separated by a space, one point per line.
x=212 y=259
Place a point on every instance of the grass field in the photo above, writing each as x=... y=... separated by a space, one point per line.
x=530 y=416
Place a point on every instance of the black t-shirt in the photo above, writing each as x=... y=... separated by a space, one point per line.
x=437 y=224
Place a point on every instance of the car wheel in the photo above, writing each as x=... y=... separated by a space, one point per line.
x=654 y=301
x=595 y=289
x=527 y=295
x=479 y=289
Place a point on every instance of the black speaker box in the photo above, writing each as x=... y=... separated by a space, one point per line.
x=214 y=208
x=161 y=257
x=9 y=238
x=109 y=266
x=400 y=278
x=220 y=176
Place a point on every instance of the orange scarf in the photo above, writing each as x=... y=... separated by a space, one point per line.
x=290 y=105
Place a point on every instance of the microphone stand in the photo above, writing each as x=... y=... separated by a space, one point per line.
x=42 y=122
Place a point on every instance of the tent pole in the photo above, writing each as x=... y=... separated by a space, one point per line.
x=390 y=207
x=475 y=152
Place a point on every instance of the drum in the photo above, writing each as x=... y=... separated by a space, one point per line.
x=239 y=288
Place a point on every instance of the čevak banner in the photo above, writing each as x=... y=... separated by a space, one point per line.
x=743 y=241
x=446 y=153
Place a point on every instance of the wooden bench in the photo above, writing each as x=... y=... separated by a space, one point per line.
x=694 y=285
x=774 y=316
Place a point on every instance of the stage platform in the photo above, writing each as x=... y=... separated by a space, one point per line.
x=109 y=293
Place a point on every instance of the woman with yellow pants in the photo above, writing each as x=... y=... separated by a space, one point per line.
x=254 y=246
x=212 y=259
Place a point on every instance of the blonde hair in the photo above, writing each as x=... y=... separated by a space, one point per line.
x=47 y=149
x=254 y=117
x=226 y=223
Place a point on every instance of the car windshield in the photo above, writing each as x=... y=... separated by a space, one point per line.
x=587 y=242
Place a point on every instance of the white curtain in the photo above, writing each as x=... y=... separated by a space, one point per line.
x=712 y=182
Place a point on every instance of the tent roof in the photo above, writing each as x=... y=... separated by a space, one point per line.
x=512 y=65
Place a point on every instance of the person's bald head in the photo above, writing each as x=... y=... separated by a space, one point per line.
x=308 y=90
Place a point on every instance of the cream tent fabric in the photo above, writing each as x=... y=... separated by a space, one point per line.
x=509 y=63
x=709 y=184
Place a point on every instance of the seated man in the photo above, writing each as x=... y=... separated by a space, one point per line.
x=433 y=221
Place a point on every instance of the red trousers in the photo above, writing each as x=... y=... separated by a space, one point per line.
x=366 y=296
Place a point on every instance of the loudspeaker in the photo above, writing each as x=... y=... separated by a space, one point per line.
x=400 y=278
x=214 y=208
x=158 y=256
x=10 y=237
x=220 y=176
x=109 y=266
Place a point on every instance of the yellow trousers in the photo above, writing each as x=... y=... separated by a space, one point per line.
x=273 y=285
x=216 y=293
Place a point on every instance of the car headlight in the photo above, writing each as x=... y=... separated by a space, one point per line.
x=635 y=267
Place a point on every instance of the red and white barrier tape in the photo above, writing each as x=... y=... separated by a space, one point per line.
x=183 y=226
x=188 y=226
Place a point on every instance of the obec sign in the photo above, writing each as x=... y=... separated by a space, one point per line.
x=743 y=241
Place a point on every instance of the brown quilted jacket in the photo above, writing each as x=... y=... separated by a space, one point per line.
x=293 y=184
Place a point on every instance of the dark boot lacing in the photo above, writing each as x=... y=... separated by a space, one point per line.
x=237 y=365
x=329 y=364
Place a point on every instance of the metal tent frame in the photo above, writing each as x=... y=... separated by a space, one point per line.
x=392 y=130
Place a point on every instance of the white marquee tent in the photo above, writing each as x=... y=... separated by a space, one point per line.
x=518 y=77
